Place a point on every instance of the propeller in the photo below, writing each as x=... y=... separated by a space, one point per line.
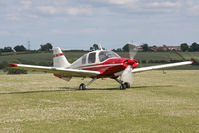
x=132 y=51
x=127 y=75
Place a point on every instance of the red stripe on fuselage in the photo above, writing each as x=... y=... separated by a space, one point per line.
x=107 y=71
x=107 y=68
x=57 y=55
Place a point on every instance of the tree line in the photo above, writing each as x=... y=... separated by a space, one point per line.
x=21 y=48
x=194 y=47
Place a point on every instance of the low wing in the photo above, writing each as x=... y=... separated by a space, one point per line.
x=161 y=66
x=55 y=70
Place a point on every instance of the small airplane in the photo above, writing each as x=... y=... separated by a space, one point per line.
x=96 y=64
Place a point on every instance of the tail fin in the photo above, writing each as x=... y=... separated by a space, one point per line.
x=59 y=60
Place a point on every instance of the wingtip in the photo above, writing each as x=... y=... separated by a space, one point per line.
x=12 y=65
x=192 y=62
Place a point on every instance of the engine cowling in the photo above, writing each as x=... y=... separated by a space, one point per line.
x=134 y=63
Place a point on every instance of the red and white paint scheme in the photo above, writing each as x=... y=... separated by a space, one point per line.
x=95 y=64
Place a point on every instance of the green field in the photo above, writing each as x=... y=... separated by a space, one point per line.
x=156 y=102
x=72 y=56
x=144 y=58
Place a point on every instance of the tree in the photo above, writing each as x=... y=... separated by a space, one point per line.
x=95 y=47
x=7 y=49
x=1 y=50
x=119 y=50
x=46 y=47
x=194 y=47
x=145 y=47
x=19 y=48
x=126 y=47
x=91 y=48
x=184 y=47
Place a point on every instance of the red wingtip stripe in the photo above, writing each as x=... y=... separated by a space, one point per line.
x=56 y=55
x=12 y=65
x=192 y=62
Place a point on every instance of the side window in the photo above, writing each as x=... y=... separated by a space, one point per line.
x=102 y=56
x=91 y=58
x=84 y=59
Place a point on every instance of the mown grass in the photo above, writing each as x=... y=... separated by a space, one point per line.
x=155 y=103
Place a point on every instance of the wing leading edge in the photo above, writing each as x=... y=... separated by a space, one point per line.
x=56 y=70
x=161 y=66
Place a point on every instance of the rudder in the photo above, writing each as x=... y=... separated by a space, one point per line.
x=59 y=60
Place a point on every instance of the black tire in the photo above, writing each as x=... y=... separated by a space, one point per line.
x=122 y=87
x=127 y=85
x=82 y=86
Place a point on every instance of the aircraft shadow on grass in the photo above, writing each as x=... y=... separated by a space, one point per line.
x=62 y=89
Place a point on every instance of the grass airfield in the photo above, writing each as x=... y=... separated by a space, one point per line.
x=156 y=102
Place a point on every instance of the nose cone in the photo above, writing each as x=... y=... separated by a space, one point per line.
x=133 y=62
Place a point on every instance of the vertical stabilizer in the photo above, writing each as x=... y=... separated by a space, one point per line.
x=59 y=60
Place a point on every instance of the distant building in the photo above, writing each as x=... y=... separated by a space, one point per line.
x=165 y=48
x=177 y=48
x=139 y=48
x=162 y=48
x=154 y=48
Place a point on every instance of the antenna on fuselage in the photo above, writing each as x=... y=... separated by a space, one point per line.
x=96 y=47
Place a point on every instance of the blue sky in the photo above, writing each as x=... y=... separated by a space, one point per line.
x=77 y=24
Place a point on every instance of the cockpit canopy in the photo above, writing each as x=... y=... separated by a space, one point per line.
x=95 y=57
x=103 y=55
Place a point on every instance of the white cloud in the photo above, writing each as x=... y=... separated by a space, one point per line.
x=33 y=9
x=142 y=6
x=47 y=9
x=79 y=11
x=122 y=2
x=12 y=15
x=26 y=3
x=57 y=31
x=167 y=4
x=194 y=10
x=4 y=33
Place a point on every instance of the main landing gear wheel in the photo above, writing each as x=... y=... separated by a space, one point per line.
x=82 y=86
x=123 y=87
x=127 y=85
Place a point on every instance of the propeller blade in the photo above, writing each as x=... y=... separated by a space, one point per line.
x=127 y=75
x=132 y=51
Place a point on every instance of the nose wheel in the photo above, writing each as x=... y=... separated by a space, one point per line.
x=127 y=85
x=123 y=85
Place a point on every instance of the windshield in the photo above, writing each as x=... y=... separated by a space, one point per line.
x=103 y=55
